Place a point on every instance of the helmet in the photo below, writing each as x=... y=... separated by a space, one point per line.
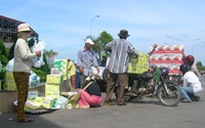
x=184 y=68
x=164 y=72
x=189 y=59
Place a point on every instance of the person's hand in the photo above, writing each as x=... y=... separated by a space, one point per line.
x=81 y=69
x=154 y=46
x=98 y=69
x=38 y=53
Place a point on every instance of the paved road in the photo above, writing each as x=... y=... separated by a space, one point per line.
x=146 y=113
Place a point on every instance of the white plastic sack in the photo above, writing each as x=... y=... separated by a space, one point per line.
x=61 y=102
x=10 y=66
x=38 y=61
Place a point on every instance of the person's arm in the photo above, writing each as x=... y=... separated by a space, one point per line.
x=25 y=51
x=151 y=50
x=132 y=50
x=79 y=63
x=195 y=70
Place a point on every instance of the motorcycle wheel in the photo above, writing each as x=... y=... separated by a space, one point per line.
x=171 y=97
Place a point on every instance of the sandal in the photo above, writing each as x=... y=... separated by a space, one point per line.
x=25 y=120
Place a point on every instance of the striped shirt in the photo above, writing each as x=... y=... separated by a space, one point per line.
x=87 y=59
x=120 y=55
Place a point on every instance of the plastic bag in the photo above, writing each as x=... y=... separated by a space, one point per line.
x=38 y=61
x=34 y=80
x=10 y=66
x=61 y=102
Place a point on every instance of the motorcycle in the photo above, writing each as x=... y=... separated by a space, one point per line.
x=155 y=83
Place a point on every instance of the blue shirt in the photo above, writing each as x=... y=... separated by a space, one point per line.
x=119 y=60
x=86 y=59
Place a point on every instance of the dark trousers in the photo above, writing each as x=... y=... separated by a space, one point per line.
x=77 y=82
x=120 y=79
x=22 y=83
x=82 y=79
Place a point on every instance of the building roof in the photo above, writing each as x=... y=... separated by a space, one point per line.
x=8 y=30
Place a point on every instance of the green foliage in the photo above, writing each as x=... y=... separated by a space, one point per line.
x=100 y=43
x=2 y=72
x=200 y=66
x=41 y=74
x=4 y=60
x=3 y=54
x=11 y=50
x=2 y=48
x=31 y=42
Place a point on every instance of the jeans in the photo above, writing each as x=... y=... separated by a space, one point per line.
x=186 y=91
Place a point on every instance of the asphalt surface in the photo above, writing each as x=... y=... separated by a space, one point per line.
x=144 y=113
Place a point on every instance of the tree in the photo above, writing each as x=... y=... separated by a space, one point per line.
x=50 y=54
x=200 y=66
x=100 y=43
x=3 y=53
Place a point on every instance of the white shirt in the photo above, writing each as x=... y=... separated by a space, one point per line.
x=22 y=56
x=190 y=79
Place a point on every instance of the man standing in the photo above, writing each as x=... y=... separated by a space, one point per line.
x=118 y=65
x=86 y=59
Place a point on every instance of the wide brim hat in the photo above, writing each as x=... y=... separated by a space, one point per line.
x=89 y=41
x=123 y=33
x=24 y=27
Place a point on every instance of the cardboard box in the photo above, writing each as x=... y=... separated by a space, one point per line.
x=168 y=48
x=10 y=86
x=48 y=103
x=32 y=94
x=9 y=77
x=52 y=94
x=52 y=87
x=54 y=79
x=39 y=101
x=159 y=49
x=62 y=66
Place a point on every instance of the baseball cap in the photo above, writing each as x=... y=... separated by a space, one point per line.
x=89 y=41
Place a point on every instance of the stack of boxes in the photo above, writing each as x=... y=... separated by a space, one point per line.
x=169 y=56
x=53 y=84
x=62 y=65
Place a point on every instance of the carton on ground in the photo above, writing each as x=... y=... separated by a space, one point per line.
x=48 y=103
x=39 y=101
x=32 y=94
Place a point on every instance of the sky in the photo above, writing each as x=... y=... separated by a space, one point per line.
x=64 y=24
